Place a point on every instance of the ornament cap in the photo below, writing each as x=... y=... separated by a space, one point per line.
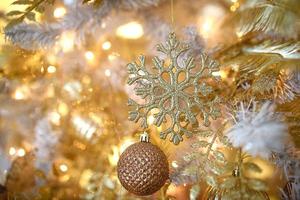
x=236 y=172
x=145 y=137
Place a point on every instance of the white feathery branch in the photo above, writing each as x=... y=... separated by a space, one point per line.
x=82 y=19
x=45 y=140
x=33 y=36
x=259 y=132
x=136 y=4
x=267 y=17
x=288 y=50
x=195 y=41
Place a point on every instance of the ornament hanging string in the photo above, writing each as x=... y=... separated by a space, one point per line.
x=172 y=15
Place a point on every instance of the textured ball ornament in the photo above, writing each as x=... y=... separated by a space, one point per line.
x=3 y=192
x=143 y=168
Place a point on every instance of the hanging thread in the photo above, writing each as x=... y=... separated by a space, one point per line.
x=172 y=15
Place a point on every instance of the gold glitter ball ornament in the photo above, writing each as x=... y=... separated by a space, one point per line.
x=143 y=168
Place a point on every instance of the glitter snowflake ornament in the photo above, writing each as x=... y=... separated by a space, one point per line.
x=177 y=91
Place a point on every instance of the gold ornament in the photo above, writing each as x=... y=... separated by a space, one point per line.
x=143 y=168
x=175 y=89
x=3 y=192
x=213 y=193
x=21 y=175
x=238 y=186
x=86 y=128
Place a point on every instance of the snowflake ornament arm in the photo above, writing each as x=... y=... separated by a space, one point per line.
x=179 y=92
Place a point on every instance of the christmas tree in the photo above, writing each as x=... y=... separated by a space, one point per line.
x=216 y=88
